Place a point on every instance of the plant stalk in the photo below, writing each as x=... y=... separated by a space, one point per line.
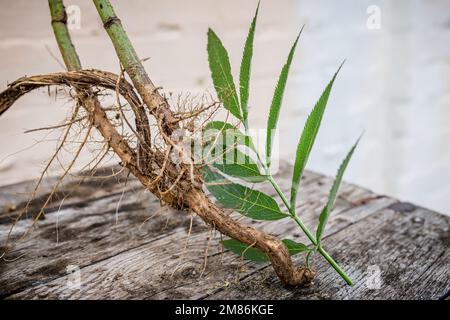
x=308 y=233
x=59 y=25
x=132 y=64
x=73 y=63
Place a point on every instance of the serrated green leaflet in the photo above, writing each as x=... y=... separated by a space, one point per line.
x=218 y=125
x=323 y=218
x=221 y=142
x=246 y=172
x=307 y=139
x=237 y=164
x=248 y=202
x=244 y=250
x=277 y=99
x=219 y=64
x=222 y=133
x=294 y=247
x=244 y=74
x=255 y=254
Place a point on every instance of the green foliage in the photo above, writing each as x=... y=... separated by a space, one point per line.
x=251 y=203
x=234 y=163
x=219 y=65
x=294 y=247
x=219 y=126
x=276 y=101
x=255 y=254
x=221 y=133
x=221 y=151
x=308 y=137
x=244 y=75
x=244 y=250
x=323 y=218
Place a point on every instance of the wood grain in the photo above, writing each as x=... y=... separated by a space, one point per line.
x=127 y=247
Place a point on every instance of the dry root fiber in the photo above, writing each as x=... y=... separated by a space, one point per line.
x=178 y=187
x=145 y=153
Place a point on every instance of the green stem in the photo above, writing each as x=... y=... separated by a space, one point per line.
x=245 y=122
x=59 y=25
x=308 y=233
x=122 y=44
x=335 y=265
x=132 y=64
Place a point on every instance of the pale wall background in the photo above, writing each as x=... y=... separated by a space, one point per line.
x=395 y=84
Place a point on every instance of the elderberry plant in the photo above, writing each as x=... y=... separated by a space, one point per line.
x=225 y=160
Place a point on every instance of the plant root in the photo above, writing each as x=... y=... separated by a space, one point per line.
x=177 y=186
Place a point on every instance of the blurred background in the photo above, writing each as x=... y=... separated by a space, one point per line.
x=395 y=83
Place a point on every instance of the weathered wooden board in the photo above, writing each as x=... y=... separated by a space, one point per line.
x=126 y=246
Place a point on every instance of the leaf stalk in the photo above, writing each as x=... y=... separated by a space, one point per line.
x=305 y=229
